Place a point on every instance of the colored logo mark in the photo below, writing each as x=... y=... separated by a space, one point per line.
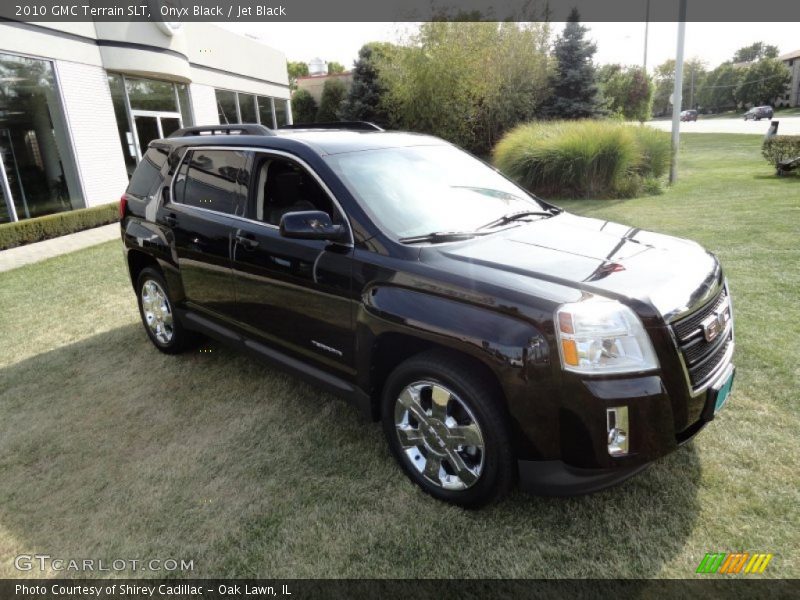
x=733 y=564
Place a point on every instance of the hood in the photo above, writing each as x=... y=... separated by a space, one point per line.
x=591 y=255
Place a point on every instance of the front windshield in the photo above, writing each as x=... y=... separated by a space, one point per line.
x=418 y=190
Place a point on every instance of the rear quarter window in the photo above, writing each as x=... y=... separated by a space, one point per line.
x=148 y=174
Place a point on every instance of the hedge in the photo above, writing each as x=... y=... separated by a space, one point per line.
x=781 y=147
x=578 y=159
x=50 y=226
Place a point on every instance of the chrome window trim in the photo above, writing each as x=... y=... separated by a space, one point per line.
x=282 y=153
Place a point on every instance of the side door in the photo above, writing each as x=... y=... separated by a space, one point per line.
x=293 y=293
x=207 y=196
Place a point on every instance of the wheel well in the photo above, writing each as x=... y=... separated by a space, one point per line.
x=138 y=261
x=391 y=349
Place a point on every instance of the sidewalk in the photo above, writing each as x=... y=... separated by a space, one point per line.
x=31 y=253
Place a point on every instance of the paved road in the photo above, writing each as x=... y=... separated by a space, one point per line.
x=788 y=126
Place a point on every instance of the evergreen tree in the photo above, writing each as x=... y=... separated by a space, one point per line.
x=304 y=107
x=364 y=101
x=333 y=94
x=575 y=94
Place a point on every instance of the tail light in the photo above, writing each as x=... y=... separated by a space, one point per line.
x=123 y=206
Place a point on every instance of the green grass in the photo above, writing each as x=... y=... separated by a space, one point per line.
x=109 y=449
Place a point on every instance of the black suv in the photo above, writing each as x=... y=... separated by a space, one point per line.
x=497 y=337
x=758 y=112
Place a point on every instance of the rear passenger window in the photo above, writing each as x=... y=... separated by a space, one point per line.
x=148 y=174
x=210 y=179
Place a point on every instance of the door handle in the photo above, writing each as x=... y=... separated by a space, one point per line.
x=247 y=242
x=171 y=219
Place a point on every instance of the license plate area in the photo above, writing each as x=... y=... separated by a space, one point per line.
x=721 y=392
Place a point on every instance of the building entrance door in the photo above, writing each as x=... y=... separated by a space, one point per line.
x=151 y=125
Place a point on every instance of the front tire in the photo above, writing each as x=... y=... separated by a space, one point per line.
x=156 y=309
x=445 y=425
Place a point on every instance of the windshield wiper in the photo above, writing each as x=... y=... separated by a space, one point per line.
x=442 y=236
x=516 y=216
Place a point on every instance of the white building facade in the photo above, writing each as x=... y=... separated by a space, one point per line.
x=79 y=102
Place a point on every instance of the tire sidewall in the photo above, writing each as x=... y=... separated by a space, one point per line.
x=484 y=490
x=149 y=274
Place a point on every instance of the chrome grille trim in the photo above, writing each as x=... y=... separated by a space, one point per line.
x=703 y=361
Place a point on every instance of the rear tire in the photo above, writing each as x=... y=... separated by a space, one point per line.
x=156 y=309
x=446 y=426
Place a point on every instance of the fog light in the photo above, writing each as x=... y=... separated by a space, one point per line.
x=617 y=427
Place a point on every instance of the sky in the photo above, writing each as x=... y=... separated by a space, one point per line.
x=616 y=42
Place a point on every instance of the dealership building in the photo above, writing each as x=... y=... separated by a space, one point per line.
x=79 y=102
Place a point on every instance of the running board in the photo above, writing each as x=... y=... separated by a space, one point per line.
x=331 y=383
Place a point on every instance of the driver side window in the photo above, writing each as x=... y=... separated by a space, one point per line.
x=280 y=186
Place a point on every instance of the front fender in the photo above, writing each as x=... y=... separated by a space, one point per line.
x=515 y=350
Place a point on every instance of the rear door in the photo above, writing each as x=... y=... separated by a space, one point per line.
x=207 y=197
x=293 y=293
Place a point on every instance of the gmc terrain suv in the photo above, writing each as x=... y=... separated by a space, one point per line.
x=497 y=337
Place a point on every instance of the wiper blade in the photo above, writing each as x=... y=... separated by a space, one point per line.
x=442 y=236
x=515 y=216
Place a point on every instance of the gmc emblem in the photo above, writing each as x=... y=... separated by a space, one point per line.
x=714 y=324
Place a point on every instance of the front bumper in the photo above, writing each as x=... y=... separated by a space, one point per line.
x=585 y=465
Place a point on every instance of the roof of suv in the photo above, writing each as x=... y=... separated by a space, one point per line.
x=322 y=141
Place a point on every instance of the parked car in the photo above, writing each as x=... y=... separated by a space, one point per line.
x=758 y=112
x=497 y=337
x=689 y=115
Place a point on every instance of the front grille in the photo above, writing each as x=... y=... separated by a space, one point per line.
x=702 y=358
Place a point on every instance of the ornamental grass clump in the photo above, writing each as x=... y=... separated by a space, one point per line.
x=584 y=159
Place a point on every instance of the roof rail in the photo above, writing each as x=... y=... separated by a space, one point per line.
x=354 y=125
x=233 y=129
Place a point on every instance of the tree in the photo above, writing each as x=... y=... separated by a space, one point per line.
x=717 y=91
x=628 y=91
x=333 y=94
x=304 y=107
x=335 y=67
x=575 y=93
x=762 y=82
x=365 y=100
x=694 y=73
x=755 y=52
x=295 y=69
x=467 y=82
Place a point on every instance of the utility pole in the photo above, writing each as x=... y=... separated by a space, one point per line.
x=677 y=93
x=646 y=31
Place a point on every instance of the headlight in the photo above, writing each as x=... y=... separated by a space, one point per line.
x=602 y=336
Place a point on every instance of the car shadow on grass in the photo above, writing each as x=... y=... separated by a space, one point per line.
x=112 y=450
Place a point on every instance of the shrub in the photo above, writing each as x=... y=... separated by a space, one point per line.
x=333 y=94
x=584 y=158
x=304 y=107
x=781 y=147
x=50 y=226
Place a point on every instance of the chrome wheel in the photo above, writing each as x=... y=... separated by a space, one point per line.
x=157 y=312
x=439 y=435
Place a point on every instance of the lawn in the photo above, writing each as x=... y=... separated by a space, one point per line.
x=109 y=449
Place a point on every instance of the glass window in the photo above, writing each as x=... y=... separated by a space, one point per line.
x=117 y=88
x=149 y=94
x=247 y=108
x=212 y=179
x=424 y=189
x=185 y=105
x=226 y=107
x=34 y=145
x=281 y=186
x=148 y=174
x=281 y=112
x=265 y=111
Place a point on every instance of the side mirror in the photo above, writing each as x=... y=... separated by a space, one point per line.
x=311 y=225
